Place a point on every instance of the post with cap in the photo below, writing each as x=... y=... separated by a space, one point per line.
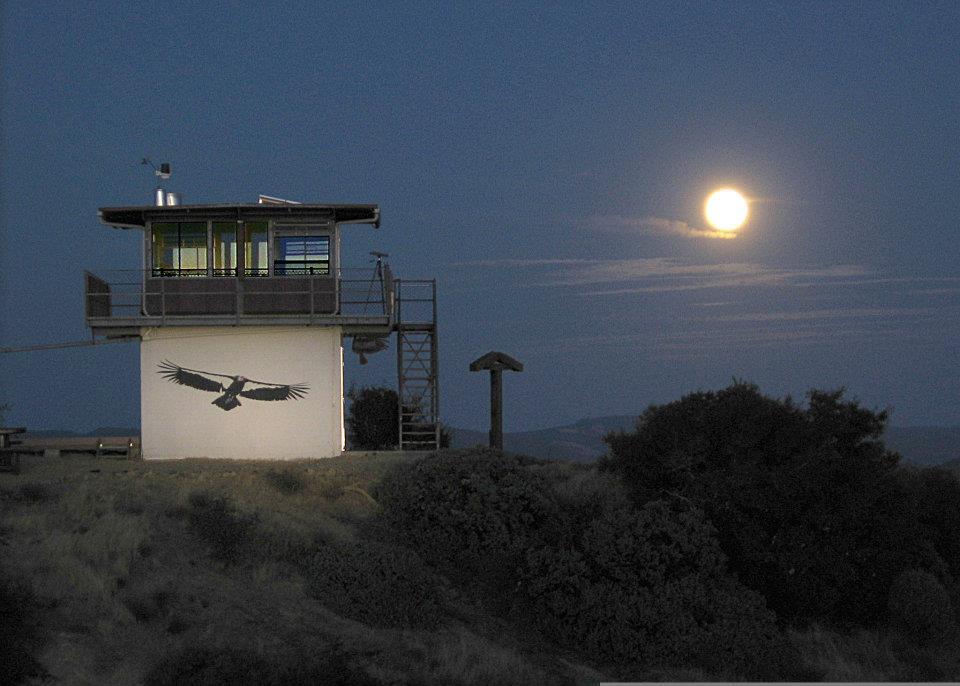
x=496 y=362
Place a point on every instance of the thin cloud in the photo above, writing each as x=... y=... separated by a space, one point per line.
x=513 y=262
x=664 y=274
x=823 y=314
x=655 y=225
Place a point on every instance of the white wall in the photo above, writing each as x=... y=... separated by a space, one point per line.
x=180 y=421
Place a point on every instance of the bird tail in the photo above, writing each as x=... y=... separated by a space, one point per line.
x=226 y=402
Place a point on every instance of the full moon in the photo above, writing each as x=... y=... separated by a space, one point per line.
x=726 y=210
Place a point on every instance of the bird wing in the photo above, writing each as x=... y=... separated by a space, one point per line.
x=275 y=391
x=191 y=377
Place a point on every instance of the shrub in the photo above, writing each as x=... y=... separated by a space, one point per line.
x=472 y=512
x=567 y=552
x=34 y=492
x=21 y=634
x=920 y=606
x=287 y=483
x=373 y=418
x=806 y=500
x=199 y=666
x=648 y=590
x=146 y=607
x=375 y=584
x=215 y=521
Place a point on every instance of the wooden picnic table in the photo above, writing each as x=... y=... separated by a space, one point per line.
x=8 y=432
x=9 y=460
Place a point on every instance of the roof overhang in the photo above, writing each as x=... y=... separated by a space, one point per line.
x=496 y=361
x=137 y=217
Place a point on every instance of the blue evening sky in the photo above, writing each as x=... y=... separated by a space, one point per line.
x=546 y=163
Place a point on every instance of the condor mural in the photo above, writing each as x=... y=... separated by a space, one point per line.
x=200 y=380
x=257 y=392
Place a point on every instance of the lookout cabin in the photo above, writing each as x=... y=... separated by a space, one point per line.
x=241 y=312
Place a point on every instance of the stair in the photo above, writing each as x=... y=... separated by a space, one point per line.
x=417 y=364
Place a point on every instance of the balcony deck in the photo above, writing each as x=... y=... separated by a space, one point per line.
x=132 y=300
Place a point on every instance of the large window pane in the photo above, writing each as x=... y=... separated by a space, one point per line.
x=224 y=248
x=255 y=248
x=302 y=255
x=193 y=248
x=165 y=249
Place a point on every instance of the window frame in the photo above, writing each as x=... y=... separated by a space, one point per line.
x=179 y=271
x=287 y=229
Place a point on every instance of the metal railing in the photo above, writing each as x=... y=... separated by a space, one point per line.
x=140 y=295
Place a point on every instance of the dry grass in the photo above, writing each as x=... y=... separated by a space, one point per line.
x=876 y=656
x=124 y=578
x=862 y=656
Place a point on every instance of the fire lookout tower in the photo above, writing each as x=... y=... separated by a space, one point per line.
x=241 y=311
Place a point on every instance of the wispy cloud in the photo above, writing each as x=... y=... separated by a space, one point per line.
x=710 y=336
x=664 y=274
x=823 y=314
x=658 y=275
x=655 y=225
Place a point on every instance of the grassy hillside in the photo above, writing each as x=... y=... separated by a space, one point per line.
x=123 y=567
x=126 y=572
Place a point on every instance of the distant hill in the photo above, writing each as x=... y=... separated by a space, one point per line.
x=582 y=441
x=925 y=445
x=99 y=431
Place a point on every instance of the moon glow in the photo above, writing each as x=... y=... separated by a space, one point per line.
x=726 y=210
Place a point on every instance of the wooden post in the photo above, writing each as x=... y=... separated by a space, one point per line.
x=496 y=409
x=496 y=362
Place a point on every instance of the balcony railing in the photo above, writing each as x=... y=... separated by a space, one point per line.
x=137 y=298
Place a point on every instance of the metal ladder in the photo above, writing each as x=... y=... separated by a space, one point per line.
x=417 y=364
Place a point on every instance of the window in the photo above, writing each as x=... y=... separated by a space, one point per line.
x=224 y=248
x=299 y=255
x=255 y=249
x=179 y=249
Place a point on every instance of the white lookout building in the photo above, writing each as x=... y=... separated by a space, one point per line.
x=241 y=312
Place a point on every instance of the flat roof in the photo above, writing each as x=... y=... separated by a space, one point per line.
x=137 y=217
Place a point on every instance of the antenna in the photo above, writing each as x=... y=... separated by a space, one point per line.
x=162 y=173
x=160 y=198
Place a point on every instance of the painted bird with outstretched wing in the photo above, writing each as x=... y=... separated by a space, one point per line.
x=195 y=378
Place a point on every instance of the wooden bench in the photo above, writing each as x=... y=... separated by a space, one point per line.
x=9 y=456
x=120 y=447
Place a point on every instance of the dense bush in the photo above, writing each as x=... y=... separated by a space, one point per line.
x=807 y=501
x=564 y=552
x=20 y=634
x=376 y=584
x=648 y=590
x=473 y=512
x=374 y=418
x=198 y=666
x=920 y=606
x=933 y=512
